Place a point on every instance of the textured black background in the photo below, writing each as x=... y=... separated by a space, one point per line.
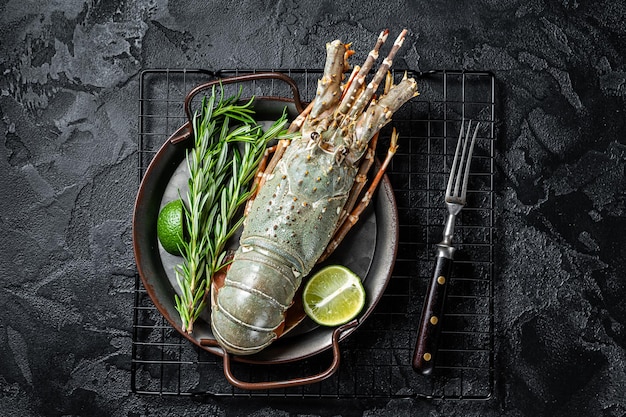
x=68 y=178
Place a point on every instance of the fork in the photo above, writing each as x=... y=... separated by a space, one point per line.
x=429 y=331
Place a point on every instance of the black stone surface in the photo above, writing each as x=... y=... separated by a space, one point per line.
x=68 y=124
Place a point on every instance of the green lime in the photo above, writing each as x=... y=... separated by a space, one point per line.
x=333 y=296
x=170 y=226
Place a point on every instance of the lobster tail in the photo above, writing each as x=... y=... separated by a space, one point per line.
x=252 y=303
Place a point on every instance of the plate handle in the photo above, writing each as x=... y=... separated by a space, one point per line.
x=305 y=380
x=184 y=132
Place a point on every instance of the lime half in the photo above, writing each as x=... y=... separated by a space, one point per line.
x=333 y=296
x=170 y=226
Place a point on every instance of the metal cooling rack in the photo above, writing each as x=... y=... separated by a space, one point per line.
x=376 y=359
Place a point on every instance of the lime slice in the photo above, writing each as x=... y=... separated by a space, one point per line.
x=333 y=296
x=170 y=226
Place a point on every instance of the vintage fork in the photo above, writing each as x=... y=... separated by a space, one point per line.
x=456 y=192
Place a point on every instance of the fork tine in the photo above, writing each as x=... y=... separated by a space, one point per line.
x=459 y=172
x=453 y=168
x=462 y=162
x=469 y=159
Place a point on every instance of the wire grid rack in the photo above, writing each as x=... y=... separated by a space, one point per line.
x=375 y=360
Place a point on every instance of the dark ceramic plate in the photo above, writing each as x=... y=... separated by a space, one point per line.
x=369 y=250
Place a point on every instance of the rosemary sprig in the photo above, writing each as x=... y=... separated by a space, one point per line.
x=228 y=147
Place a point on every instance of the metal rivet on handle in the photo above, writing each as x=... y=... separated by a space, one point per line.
x=441 y=280
x=434 y=320
x=427 y=356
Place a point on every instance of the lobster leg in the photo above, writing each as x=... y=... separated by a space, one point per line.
x=378 y=114
x=265 y=167
x=260 y=174
x=366 y=164
x=328 y=91
x=355 y=87
x=360 y=180
x=282 y=146
x=346 y=87
x=299 y=121
x=367 y=95
x=351 y=219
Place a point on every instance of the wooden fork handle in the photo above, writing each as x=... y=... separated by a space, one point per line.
x=431 y=321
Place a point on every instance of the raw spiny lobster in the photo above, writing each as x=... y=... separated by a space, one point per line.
x=306 y=195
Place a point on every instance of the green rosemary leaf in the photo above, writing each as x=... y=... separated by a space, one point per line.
x=227 y=149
